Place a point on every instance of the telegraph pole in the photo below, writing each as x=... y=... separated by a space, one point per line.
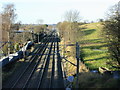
x=24 y=45
x=77 y=57
x=38 y=38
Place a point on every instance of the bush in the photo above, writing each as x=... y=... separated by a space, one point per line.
x=96 y=80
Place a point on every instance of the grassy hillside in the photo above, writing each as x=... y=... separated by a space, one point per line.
x=93 y=46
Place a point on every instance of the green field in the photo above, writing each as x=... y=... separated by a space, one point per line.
x=93 y=47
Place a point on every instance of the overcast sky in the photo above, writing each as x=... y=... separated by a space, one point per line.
x=52 y=11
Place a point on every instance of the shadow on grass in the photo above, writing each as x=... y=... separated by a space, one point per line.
x=91 y=54
x=94 y=47
x=90 y=31
x=91 y=66
x=91 y=41
x=96 y=59
x=83 y=28
x=88 y=64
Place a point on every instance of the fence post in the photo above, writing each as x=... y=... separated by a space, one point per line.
x=77 y=57
x=24 y=56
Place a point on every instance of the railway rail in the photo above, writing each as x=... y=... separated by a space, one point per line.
x=44 y=69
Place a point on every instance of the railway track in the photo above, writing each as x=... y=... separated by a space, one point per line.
x=44 y=70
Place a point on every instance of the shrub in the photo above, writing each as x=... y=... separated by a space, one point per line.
x=96 y=80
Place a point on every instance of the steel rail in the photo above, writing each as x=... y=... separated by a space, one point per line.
x=34 y=68
x=53 y=67
x=26 y=68
x=45 y=65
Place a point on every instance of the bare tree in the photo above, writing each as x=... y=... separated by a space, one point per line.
x=40 y=21
x=69 y=29
x=72 y=16
x=8 y=19
x=72 y=27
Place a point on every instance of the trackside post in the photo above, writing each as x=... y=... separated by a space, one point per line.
x=78 y=58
